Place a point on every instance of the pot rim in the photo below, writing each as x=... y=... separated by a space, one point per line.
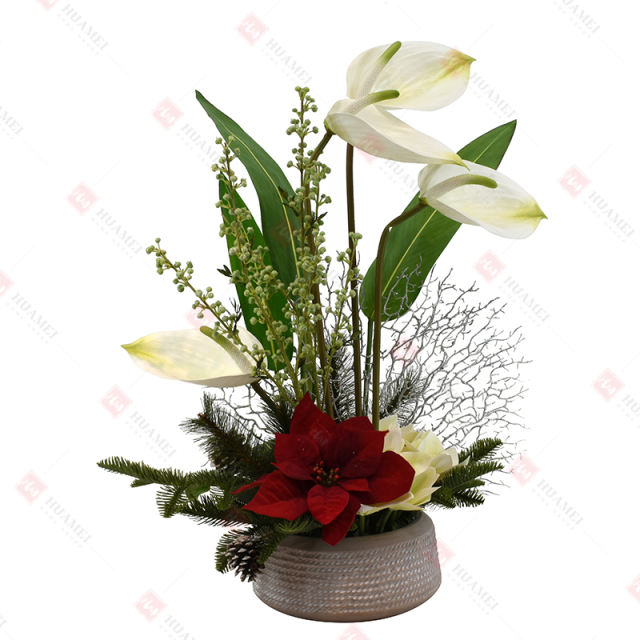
x=423 y=525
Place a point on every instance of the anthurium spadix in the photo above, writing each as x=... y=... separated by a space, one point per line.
x=409 y=75
x=191 y=356
x=481 y=196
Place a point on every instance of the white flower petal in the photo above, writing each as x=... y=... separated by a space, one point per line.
x=427 y=75
x=381 y=134
x=508 y=210
x=190 y=356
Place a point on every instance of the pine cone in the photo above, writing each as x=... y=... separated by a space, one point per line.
x=242 y=555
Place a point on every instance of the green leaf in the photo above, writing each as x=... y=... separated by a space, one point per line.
x=278 y=302
x=414 y=245
x=272 y=187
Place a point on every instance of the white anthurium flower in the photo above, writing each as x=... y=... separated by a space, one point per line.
x=191 y=356
x=480 y=196
x=425 y=453
x=409 y=75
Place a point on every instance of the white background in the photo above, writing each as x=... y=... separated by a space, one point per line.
x=103 y=147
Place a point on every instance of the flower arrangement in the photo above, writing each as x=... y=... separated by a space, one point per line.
x=306 y=434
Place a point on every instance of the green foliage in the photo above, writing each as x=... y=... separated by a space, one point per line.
x=226 y=442
x=414 y=245
x=458 y=487
x=483 y=448
x=274 y=190
x=177 y=487
x=252 y=240
x=216 y=511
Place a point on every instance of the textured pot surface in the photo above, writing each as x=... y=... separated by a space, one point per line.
x=359 y=579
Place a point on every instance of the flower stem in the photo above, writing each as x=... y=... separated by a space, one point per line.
x=377 y=309
x=321 y=145
x=367 y=365
x=264 y=396
x=384 y=520
x=355 y=305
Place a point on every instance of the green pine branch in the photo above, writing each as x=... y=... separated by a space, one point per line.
x=178 y=489
x=227 y=444
x=480 y=449
x=458 y=487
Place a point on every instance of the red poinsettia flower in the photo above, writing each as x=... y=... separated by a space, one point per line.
x=329 y=470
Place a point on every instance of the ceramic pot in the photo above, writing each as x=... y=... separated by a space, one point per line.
x=360 y=578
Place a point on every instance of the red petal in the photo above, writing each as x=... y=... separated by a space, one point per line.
x=280 y=497
x=326 y=503
x=296 y=455
x=309 y=421
x=393 y=479
x=256 y=483
x=354 y=484
x=363 y=450
x=359 y=423
x=333 y=532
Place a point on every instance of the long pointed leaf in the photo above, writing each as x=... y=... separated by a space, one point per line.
x=272 y=187
x=414 y=245
x=278 y=302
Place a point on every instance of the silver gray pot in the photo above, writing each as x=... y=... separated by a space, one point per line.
x=361 y=578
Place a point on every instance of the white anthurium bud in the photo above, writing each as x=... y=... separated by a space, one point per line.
x=425 y=453
x=191 y=356
x=426 y=75
x=480 y=196
x=412 y=75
